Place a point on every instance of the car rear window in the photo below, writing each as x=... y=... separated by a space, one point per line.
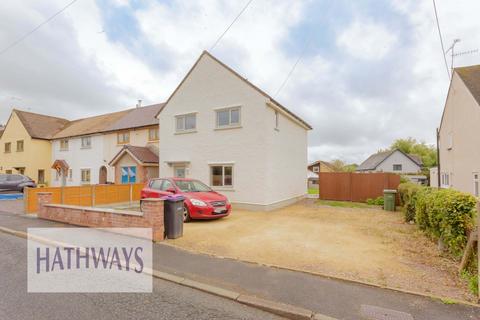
x=14 y=177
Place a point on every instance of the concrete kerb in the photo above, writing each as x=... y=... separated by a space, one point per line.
x=281 y=309
x=357 y=282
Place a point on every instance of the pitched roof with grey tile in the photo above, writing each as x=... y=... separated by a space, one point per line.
x=471 y=77
x=138 y=117
x=40 y=126
x=374 y=160
x=142 y=154
x=120 y=120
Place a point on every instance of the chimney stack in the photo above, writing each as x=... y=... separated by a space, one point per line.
x=139 y=103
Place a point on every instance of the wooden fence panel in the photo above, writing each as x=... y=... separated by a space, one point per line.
x=85 y=195
x=30 y=199
x=356 y=187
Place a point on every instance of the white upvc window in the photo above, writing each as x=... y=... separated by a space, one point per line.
x=221 y=175
x=70 y=174
x=476 y=184
x=64 y=145
x=445 y=180
x=85 y=176
x=86 y=142
x=186 y=123
x=316 y=169
x=277 y=120
x=450 y=141
x=228 y=117
x=153 y=134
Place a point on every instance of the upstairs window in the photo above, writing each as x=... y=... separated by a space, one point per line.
x=316 y=169
x=397 y=167
x=277 y=120
x=8 y=147
x=229 y=117
x=153 y=134
x=86 y=142
x=64 y=145
x=123 y=137
x=450 y=141
x=186 y=122
x=20 y=146
x=476 y=184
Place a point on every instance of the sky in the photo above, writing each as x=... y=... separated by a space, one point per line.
x=371 y=71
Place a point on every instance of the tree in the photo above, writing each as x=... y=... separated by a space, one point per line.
x=428 y=153
x=341 y=166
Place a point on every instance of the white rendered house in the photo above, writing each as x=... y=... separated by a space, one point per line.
x=83 y=149
x=221 y=129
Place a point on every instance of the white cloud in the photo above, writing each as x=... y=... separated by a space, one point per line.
x=367 y=40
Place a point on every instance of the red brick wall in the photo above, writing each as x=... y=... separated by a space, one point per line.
x=151 y=217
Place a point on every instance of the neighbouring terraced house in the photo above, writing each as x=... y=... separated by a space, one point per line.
x=459 y=133
x=221 y=129
x=86 y=151
x=25 y=144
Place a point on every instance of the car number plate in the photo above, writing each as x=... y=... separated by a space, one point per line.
x=220 y=209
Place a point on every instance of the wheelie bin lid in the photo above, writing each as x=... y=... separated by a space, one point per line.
x=173 y=198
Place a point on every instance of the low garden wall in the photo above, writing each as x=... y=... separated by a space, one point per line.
x=151 y=217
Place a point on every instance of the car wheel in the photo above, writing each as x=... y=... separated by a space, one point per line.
x=186 y=214
x=142 y=206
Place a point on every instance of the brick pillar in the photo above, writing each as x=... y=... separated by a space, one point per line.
x=42 y=199
x=153 y=213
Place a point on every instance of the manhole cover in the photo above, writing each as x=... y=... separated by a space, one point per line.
x=377 y=313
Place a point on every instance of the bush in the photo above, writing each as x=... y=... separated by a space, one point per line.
x=408 y=197
x=375 y=202
x=442 y=213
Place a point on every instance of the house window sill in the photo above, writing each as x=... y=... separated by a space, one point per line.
x=83 y=148
x=228 y=127
x=223 y=188
x=62 y=150
x=186 y=132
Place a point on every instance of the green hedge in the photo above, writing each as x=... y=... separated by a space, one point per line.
x=444 y=214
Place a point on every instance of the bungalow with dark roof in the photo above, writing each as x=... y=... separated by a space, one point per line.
x=395 y=161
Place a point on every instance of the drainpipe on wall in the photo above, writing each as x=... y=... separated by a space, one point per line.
x=438 y=157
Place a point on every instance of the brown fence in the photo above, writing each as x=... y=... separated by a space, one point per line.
x=358 y=187
x=85 y=195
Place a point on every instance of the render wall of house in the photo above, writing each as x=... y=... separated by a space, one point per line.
x=286 y=158
x=79 y=158
x=208 y=87
x=408 y=166
x=460 y=129
x=36 y=154
x=138 y=137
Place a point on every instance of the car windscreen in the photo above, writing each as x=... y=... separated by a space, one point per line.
x=192 y=186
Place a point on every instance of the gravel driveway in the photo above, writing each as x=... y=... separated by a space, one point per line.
x=364 y=244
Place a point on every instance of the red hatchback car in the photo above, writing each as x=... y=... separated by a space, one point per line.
x=201 y=202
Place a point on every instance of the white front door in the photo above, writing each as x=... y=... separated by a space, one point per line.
x=179 y=171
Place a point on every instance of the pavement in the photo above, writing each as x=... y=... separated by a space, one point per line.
x=168 y=300
x=331 y=297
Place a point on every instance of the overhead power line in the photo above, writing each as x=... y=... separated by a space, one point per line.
x=231 y=24
x=26 y=35
x=441 y=39
x=307 y=43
